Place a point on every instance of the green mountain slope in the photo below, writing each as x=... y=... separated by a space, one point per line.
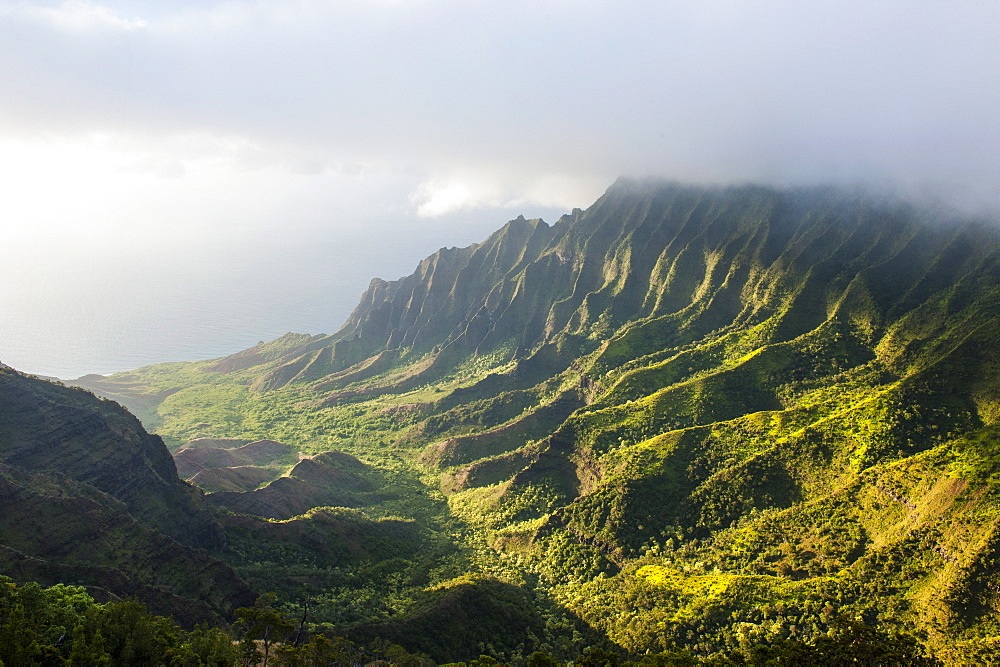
x=90 y=498
x=698 y=417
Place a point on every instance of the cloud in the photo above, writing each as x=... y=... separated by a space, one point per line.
x=76 y=16
x=162 y=166
x=469 y=188
x=493 y=104
x=434 y=199
x=163 y=139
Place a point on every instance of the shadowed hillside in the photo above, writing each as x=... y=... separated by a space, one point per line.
x=90 y=498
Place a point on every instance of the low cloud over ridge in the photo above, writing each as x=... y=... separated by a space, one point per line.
x=455 y=92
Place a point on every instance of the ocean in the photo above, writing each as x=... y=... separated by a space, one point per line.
x=66 y=316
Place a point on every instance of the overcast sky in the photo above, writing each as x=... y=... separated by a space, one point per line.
x=171 y=126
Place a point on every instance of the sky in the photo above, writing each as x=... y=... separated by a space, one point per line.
x=234 y=170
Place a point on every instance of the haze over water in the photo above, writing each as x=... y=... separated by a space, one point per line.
x=106 y=314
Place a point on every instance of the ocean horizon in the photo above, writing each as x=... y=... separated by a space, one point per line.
x=72 y=316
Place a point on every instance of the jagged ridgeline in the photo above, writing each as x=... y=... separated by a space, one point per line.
x=700 y=417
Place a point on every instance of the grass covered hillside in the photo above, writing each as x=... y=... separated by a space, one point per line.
x=685 y=418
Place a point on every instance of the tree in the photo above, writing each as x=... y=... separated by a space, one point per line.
x=206 y=646
x=847 y=642
x=131 y=635
x=261 y=623
x=596 y=656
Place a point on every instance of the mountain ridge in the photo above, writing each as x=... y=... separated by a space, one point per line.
x=789 y=396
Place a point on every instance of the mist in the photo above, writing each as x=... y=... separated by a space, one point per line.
x=207 y=138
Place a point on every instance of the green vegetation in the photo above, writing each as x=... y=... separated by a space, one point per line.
x=692 y=423
x=63 y=625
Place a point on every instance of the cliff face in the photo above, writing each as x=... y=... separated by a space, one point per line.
x=89 y=497
x=707 y=259
x=450 y=302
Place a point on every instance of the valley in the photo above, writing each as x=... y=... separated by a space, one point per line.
x=685 y=421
